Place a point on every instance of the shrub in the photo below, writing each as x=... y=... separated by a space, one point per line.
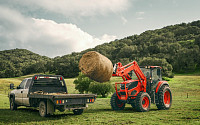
x=102 y=89
x=82 y=83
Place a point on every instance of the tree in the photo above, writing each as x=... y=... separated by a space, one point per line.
x=82 y=83
x=102 y=89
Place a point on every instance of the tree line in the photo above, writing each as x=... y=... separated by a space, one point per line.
x=175 y=48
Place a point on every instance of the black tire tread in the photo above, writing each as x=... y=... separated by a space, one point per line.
x=14 y=104
x=160 y=105
x=138 y=105
x=113 y=103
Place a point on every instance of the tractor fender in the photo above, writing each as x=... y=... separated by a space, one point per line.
x=160 y=84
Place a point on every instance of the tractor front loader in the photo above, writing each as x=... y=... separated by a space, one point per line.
x=141 y=87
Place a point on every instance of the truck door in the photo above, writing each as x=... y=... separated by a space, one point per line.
x=25 y=99
x=19 y=91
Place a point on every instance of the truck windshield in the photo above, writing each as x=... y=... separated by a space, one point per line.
x=48 y=82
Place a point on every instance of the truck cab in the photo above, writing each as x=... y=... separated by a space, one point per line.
x=20 y=94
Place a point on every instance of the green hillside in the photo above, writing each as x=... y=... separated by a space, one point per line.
x=18 y=62
x=175 y=48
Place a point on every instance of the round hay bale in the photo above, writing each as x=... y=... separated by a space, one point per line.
x=96 y=66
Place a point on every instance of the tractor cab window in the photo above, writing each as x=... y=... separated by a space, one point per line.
x=146 y=72
x=156 y=75
x=132 y=75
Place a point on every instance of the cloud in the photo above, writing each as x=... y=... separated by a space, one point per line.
x=77 y=7
x=42 y=36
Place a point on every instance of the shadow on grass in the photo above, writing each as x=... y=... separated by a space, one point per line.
x=24 y=115
x=126 y=110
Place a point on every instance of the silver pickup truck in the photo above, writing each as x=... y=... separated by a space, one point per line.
x=48 y=92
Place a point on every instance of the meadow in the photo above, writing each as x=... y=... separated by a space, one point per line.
x=185 y=107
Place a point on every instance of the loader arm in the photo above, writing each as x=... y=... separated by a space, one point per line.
x=122 y=71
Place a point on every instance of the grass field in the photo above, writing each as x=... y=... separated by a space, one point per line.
x=185 y=108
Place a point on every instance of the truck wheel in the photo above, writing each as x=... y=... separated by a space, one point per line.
x=78 y=111
x=164 y=98
x=13 y=105
x=43 y=109
x=143 y=102
x=115 y=103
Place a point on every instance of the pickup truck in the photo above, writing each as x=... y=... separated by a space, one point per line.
x=48 y=92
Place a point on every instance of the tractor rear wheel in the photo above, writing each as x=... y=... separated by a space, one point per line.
x=164 y=98
x=115 y=103
x=142 y=102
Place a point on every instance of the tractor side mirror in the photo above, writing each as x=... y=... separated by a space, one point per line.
x=11 y=86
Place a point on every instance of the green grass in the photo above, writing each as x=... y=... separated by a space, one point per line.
x=185 y=108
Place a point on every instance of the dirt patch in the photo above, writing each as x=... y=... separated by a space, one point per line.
x=96 y=66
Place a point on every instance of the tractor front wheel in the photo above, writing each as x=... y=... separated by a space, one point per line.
x=164 y=98
x=142 y=102
x=115 y=103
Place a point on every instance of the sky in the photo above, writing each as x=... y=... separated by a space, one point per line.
x=59 y=27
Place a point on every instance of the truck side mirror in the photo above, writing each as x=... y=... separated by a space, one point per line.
x=11 y=86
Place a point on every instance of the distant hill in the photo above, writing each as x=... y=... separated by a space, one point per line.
x=175 y=48
x=17 y=62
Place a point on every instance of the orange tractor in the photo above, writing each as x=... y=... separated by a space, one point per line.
x=141 y=87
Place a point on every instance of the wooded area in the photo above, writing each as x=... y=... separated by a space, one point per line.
x=175 y=48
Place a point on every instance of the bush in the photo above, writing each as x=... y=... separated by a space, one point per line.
x=102 y=89
x=82 y=83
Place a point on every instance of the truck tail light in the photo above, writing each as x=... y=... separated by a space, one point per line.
x=60 y=78
x=90 y=100
x=60 y=101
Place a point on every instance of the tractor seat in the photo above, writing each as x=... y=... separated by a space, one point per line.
x=132 y=85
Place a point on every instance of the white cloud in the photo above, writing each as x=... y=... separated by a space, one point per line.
x=42 y=36
x=78 y=7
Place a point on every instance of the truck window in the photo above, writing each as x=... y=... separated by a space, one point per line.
x=48 y=82
x=22 y=84
x=28 y=83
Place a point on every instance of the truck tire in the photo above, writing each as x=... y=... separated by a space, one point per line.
x=115 y=103
x=164 y=97
x=77 y=111
x=143 y=102
x=43 y=109
x=13 y=105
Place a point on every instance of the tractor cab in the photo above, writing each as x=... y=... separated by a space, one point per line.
x=152 y=73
